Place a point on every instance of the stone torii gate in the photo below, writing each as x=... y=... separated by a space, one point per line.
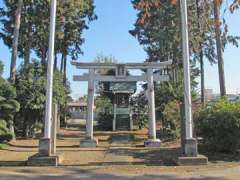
x=150 y=77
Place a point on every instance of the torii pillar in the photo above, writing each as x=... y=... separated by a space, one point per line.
x=89 y=140
x=152 y=140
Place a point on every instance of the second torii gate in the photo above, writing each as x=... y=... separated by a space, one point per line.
x=150 y=77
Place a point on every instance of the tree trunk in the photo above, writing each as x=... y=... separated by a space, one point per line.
x=201 y=60
x=202 y=78
x=43 y=58
x=26 y=127
x=55 y=62
x=62 y=64
x=15 y=41
x=27 y=55
x=27 y=52
x=221 y=72
x=11 y=128
x=65 y=69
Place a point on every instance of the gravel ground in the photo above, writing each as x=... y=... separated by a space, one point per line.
x=111 y=160
x=119 y=173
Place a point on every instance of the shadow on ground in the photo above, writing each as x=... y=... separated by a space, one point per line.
x=76 y=173
x=215 y=157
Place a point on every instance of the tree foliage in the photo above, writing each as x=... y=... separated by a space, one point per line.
x=72 y=19
x=219 y=125
x=8 y=107
x=158 y=29
x=31 y=90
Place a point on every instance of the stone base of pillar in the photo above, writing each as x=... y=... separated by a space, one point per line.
x=191 y=161
x=44 y=147
x=44 y=157
x=191 y=148
x=152 y=143
x=191 y=156
x=38 y=160
x=89 y=143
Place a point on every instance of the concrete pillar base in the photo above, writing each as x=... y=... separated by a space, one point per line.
x=191 y=161
x=44 y=147
x=44 y=157
x=191 y=148
x=38 y=160
x=152 y=143
x=89 y=143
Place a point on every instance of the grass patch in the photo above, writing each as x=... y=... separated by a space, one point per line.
x=2 y=146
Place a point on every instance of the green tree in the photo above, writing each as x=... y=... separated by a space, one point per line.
x=72 y=19
x=217 y=6
x=8 y=104
x=31 y=90
x=139 y=105
x=158 y=29
x=15 y=40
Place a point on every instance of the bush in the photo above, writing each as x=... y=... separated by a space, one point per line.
x=219 y=125
x=104 y=121
x=171 y=120
x=5 y=135
x=141 y=120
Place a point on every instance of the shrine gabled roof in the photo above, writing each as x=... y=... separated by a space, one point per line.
x=123 y=87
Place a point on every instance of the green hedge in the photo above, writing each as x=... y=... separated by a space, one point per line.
x=5 y=134
x=218 y=124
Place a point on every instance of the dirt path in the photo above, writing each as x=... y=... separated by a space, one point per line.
x=116 y=157
x=118 y=173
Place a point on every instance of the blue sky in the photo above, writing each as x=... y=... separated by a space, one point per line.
x=109 y=36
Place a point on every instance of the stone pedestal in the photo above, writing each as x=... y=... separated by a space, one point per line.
x=38 y=160
x=152 y=143
x=190 y=161
x=191 y=156
x=44 y=157
x=89 y=143
x=44 y=147
x=191 y=148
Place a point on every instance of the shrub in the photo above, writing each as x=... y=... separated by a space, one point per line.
x=139 y=107
x=5 y=135
x=218 y=124
x=104 y=121
x=141 y=120
x=171 y=120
